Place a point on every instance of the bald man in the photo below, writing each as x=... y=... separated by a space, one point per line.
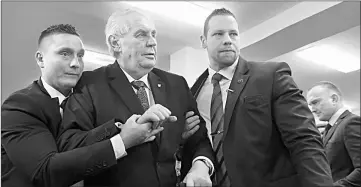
x=341 y=136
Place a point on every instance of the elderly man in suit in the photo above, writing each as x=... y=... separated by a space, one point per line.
x=341 y=137
x=131 y=86
x=30 y=120
x=263 y=132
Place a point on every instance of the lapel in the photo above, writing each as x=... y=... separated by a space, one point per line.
x=42 y=89
x=158 y=89
x=119 y=82
x=334 y=127
x=238 y=83
x=199 y=83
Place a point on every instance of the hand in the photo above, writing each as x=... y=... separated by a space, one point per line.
x=157 y=115
x=191 y=125
x=198 y=175
x=133 y=133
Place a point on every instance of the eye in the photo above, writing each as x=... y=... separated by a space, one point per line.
x=80 y=55
x=234 y=34
x=64 y=54
x=217 y=34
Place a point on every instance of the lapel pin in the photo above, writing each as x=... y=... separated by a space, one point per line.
x=159 y=85
x=229 y=90
x=240 y=80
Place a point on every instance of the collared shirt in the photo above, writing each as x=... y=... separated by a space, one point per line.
x=205 y=95
x=336 y=115
x=53 y=94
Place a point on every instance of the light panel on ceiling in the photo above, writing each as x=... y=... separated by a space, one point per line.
x=331 y=56
x=183 y=11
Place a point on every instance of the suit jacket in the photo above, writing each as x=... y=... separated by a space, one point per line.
x=30 y=121
x=106 y=94
x=342 y=144
x=270 y=137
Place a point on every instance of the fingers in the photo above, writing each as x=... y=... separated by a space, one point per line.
x=189 y=133
x=134 y=117
x=172 y=119
x=149 y=139
x=189 y=114
x=156 y=131
x=191 y=122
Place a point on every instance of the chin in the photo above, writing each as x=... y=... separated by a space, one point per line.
x=148 y=64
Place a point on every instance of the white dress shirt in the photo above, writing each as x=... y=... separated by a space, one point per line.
x=53 y=94
x=205 y=94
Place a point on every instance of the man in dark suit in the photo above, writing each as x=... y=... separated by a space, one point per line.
x=341 y=137
x=30 y=120
x=263 y=132
x=133 y=86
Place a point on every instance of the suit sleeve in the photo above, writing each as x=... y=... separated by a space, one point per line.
x=296 y=125
x=77 y=128
x=32 y=148
x=198 y=144
x=352 y=139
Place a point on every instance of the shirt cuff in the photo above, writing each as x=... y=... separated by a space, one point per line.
x=118 y=146
x=209 y=163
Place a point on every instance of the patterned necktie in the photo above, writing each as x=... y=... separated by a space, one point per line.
x=217 y=122
x=141 y=93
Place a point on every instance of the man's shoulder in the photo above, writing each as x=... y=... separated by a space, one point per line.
x=167 y=75
x=267 y=65
x=26 y=96
x=93 y=76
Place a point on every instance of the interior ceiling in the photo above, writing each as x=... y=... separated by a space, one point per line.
x=337 y=24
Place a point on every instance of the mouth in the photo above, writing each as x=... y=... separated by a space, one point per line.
x=227 y=50
x=150 y=56
x=72 y=74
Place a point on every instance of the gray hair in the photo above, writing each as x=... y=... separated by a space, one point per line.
x=113 y=28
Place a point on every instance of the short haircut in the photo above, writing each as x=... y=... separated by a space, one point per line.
x=113 y=28
x=216 y=12
x=58 y=29
x=328 y=85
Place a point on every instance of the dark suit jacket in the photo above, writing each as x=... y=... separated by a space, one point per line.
x=342 y=144
x=270 y=137
x=105 y=94
x=30 y=121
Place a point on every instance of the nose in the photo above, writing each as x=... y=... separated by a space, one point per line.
x=75 y=63
x=227 y=39
x=152 y=42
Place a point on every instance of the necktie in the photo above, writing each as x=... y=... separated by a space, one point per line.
x=217 y=121
x=141 y=93
x=62 y=106
x=327 y=128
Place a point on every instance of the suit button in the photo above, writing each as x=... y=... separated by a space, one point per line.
x=105 y=164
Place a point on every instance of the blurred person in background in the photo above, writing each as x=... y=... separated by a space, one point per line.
x=341 y=136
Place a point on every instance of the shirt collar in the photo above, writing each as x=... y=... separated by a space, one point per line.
x=52 y=91
x=226 y=72
x=336 y=115
x=131 y=79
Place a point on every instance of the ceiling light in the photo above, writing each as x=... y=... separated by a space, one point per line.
x=183 y=11
x=332 y=57
x=97 y=58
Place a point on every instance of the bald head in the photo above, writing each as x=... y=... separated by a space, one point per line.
x=325 y=99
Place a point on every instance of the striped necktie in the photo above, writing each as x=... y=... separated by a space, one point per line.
x=217 y=122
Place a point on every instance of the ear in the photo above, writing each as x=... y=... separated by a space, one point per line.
x=39 y=59
x=115 y=43
x=335 y=98
x=203 y=42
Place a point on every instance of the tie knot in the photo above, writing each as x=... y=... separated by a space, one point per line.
x=216 y=78
x=138 y=84
x=62 y=104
